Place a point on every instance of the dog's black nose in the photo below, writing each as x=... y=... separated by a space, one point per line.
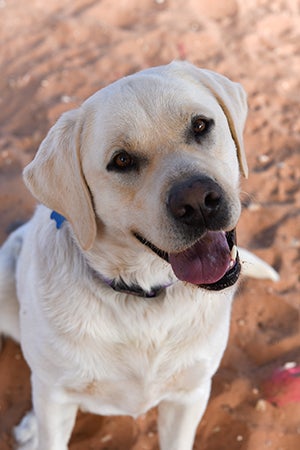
x=197 y=201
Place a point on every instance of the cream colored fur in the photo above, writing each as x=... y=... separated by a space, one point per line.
x=89 y=346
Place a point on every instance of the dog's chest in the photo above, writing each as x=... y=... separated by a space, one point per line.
x=131 y=357
x=131 y=371
x=136 y=379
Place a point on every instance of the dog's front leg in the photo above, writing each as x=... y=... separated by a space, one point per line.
x=49 y=425
x=177 y=422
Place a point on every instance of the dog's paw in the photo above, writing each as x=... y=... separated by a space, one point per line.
x=26 y=433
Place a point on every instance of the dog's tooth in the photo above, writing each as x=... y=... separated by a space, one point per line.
x=233 y=253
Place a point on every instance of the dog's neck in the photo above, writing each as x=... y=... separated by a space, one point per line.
x=118 y=285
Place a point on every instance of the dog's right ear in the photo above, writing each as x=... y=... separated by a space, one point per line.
x=56 y=179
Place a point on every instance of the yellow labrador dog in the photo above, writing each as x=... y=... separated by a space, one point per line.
x=126 y=273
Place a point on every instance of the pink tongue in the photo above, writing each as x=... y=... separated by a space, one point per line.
x=205 y=262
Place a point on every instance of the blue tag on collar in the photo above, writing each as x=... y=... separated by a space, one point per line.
x=58 y=218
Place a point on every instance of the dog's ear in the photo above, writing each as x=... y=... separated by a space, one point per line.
x=233 y=101
x=56 y=179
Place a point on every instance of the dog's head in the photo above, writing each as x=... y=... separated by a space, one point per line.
x=154 y=157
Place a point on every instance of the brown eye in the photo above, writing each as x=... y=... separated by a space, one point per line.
x=123 y=160
x=199 y=125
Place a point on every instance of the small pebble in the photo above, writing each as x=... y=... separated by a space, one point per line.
x=263 y=159
x=261 y=405
x=254 y=207
x=106 y=438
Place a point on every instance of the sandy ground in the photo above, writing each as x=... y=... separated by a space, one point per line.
x=56 y=53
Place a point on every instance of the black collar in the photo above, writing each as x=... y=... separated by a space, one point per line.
x=135 y=289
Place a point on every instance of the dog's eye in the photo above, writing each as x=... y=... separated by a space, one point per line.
x=200 y=126
x=122 y=161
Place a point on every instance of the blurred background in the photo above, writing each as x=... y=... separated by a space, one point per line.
x=55 y=54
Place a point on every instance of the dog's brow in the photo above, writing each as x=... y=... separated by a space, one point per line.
x=130 y=144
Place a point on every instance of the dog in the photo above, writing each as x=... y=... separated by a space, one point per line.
x=120 y=287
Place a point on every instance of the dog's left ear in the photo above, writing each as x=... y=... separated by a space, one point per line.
x=233 y=100
x=56 y=179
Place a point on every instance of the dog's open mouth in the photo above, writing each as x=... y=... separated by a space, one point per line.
x=211 y=263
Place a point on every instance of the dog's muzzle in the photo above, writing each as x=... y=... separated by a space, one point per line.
x=198 y=209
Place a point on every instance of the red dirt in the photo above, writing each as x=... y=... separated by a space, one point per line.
x=55 y=54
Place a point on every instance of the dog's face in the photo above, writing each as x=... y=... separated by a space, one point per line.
x=155 y=158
